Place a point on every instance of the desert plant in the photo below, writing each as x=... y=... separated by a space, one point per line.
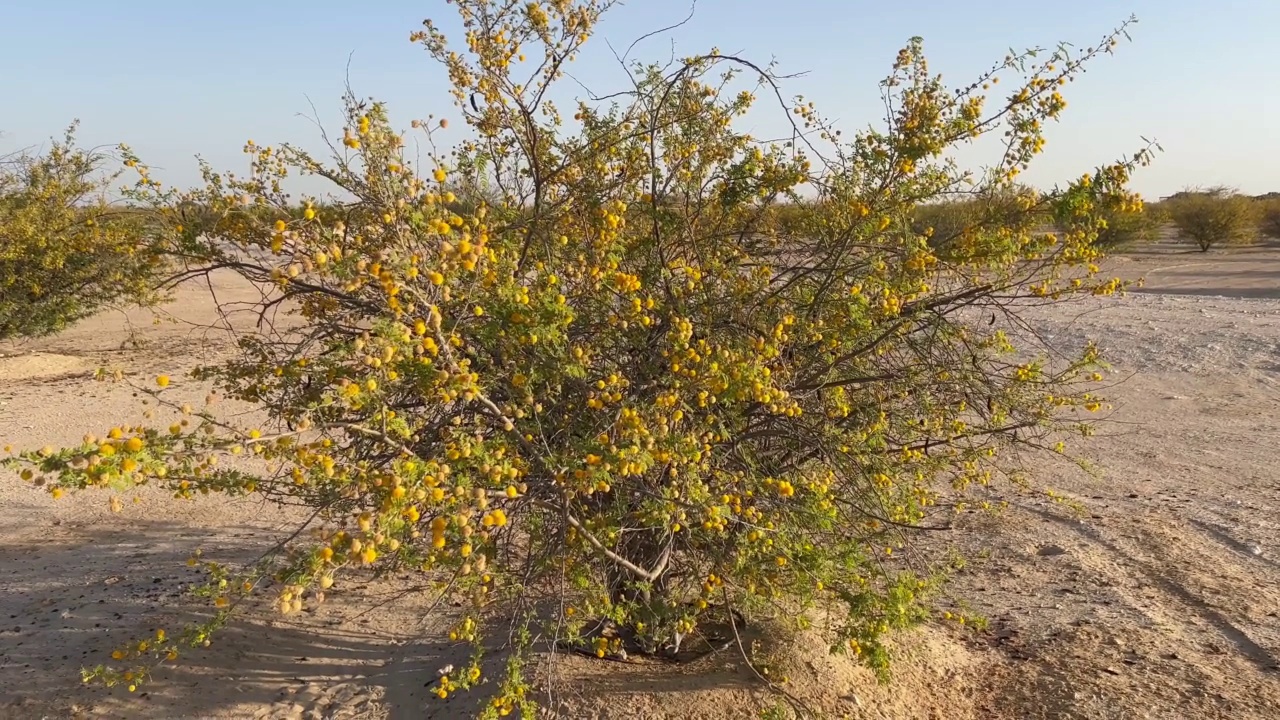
x=624 y=388
x=65 y=250
x=1216 y=216
x=1269 y=218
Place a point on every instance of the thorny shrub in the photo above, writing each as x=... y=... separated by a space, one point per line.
x=66 y=251
x=1270 y=218
x=1216 y=216
x=615 y=388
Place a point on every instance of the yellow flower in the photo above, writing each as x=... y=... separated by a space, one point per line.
x=440 y=175
x=162 y=381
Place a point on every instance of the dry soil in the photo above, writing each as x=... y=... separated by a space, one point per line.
x=1160 y=601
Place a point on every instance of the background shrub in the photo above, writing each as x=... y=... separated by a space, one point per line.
x=65 y=250
x=1216 y=216
x=953 y=222
x=1269 y=218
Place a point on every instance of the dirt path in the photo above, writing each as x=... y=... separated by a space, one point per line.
x=1163 y=599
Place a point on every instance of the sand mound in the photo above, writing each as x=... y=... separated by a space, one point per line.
x=935 y=675
x=41 y=366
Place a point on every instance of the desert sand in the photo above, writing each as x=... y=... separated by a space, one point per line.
x=1161 y=600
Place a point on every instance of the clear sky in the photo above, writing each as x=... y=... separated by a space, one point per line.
x=175 y=79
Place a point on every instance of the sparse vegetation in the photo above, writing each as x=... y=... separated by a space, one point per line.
x=617 y=379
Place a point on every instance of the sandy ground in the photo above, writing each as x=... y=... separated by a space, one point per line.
x=1161 y=601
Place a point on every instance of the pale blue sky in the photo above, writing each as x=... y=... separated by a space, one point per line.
x=174 y=79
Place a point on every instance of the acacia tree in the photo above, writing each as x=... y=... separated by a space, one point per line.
x=617 y=383
x=1216 y=216
x=65 y=250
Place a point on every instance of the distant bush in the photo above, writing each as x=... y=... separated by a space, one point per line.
x=1269 y=218
x=1157 y=213
x=65 y=251
x=1216 y=216
x=942 y=221
x=954 y=223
